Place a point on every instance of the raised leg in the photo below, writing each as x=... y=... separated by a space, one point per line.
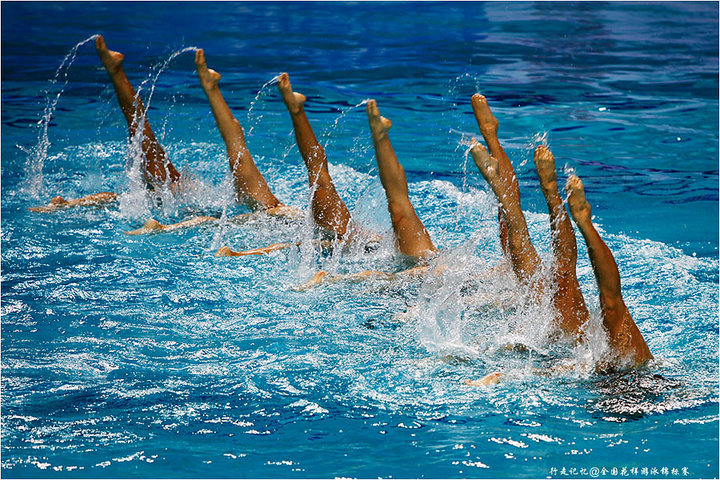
x=329 y=211
x=624 y=336
x=488 y=125
x=412 y=237
x=499 y=173
x=523 y=257
x=568 y=298
x=158 y=168
x=250 y=185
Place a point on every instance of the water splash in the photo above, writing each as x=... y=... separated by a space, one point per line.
x=330 y=130
x=262 y=93
x=465 y=83
x=228 y=194
x=159 y=68
x=465 y=143
x=135 y=201
x=535 y=140
x=36 y=156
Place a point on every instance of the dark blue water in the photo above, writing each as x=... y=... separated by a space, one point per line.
x=149 y=356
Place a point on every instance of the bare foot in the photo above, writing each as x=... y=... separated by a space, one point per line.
x=486 y=163
x=315 y=280
x=151 y=226
x=379 y=125
x=95 y=200
x=209 y=78
x=110 y=59
x=486 y=120
x=545 y=167
x=490 y=379
x=54 y=204
x=579 y=206
x=286 y=211
x=293 y=101
x=225 y=252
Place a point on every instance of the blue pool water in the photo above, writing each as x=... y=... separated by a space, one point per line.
x=150 y=357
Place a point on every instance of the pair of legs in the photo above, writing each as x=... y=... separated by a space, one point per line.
x=157 y=168
x=329 y=211
x=624 y=336
x=250 y=186
x=411 y=237
x=498 y=171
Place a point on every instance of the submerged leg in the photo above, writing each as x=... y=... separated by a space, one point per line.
x=227 y=252
x=568 y=298
x=499 y=173
x=624 y=335
x=94 y=200
x=322 y=277
x=329 y=211
x=411 y=235
x=153 y=226
x=250 y=185
x=158 y=168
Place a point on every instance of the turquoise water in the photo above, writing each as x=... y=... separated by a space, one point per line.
x=150 y=357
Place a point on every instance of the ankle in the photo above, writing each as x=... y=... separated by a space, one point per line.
x=210 y=86
x=295 y=110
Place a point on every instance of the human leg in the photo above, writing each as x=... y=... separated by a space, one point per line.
x=624 y=335
x=568 y=298
x=158 y=168
x=250 y=185
x=94 y=200
x=499 y=173
x=412 y=237
x=329 y=211
x=227 y=252
x=523 y=257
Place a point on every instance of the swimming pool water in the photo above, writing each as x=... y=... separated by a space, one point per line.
x=150 y=357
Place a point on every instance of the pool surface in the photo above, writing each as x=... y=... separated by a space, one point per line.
x=148 y=356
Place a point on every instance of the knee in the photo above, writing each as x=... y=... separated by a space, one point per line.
x=321 y=181
x=399 y=211
x=238 y=128
x=611 y=303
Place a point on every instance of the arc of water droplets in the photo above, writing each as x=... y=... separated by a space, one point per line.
x=465 y=143
x=37 y=155
x=252 y=124
x=158 y=69
x=329 y=130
